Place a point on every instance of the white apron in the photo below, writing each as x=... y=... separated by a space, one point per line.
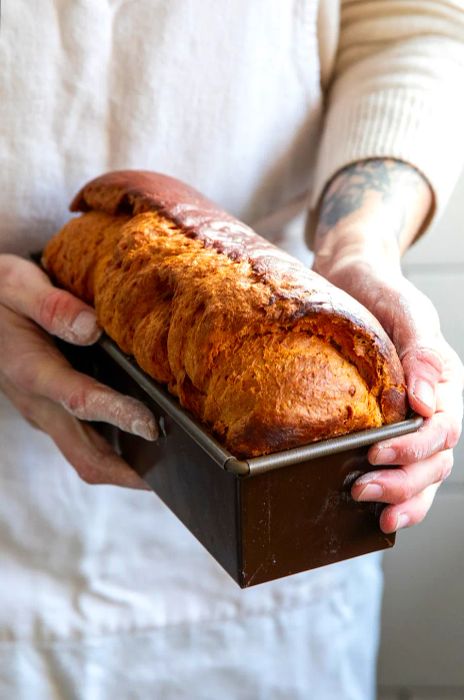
x=103 y=593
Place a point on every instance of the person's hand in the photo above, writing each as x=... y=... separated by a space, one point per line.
x=369 y=215
x=45 y=389
x=434 y=379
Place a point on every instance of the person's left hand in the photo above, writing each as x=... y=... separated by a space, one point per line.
x=434 y=378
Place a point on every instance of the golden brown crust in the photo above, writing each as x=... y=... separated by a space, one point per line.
x=266 y=353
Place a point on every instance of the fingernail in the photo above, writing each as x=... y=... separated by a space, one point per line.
x=386 y=455
x=145 y=429
x=85 y=325
x=403 y=521
x=371 y=492
x=424 y=391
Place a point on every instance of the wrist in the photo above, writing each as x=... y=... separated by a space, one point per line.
x=370 y=212
x=357 y=247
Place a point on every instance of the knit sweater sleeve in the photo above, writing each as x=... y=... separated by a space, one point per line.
x=397 y=91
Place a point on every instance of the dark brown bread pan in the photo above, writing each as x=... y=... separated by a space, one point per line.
x=261 y=518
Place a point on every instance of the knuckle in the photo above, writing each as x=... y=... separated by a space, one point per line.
x=417 y=517
x=419 y=513
x=432 y=362
x=24 y=375
x=52 y=309
x=453 y=434
x=415 y=453
x=446 y=466
x=87 y=475
x=9 y=277
x=48 y=308
x=87 y=471
x=424 y=512
x=76 y=403
x=403 y=486
x=437 y=434
x=419 y=446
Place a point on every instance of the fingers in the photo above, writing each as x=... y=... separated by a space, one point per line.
x=414 y=326
x=26 y=290
x=35 y=367
x=441 y=432
x=434 y=379
x=87 y=399
x=44 y=387
x=411 y=512
x=423 y=369
x=90 y=455
x=88 y=452
x=428 y=361
x=399 y=485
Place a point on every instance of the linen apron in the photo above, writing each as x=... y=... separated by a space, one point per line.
x=103 y=593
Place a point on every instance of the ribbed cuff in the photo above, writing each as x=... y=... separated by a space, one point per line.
x=422 y=128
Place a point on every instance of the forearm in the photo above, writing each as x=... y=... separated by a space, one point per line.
x=369 y=215
x=371 y=212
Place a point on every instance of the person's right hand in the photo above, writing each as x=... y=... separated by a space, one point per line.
x=45 y=389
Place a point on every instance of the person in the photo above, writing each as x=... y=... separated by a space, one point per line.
x=270 y=109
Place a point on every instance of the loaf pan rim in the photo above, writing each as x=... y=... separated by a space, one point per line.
x=223 y=458
x=254 y=465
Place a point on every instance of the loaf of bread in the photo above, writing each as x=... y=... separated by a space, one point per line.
x=264 y=352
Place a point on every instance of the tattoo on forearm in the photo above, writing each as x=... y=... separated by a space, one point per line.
x=347 y=192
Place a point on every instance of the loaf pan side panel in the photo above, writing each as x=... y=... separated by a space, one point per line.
x=303 y=517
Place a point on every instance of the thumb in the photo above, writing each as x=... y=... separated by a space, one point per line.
x=416 y=333
x=423 y=368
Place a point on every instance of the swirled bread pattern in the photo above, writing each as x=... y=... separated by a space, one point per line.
x=264 y=352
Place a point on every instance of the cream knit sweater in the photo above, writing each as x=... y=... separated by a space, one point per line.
x=394 y=87
x=226 y=96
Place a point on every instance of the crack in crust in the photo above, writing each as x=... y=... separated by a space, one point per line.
x=265 y=352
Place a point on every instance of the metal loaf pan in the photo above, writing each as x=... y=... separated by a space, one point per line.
x=260 y=518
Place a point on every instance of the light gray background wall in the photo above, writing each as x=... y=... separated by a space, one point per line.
x=422 y=647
